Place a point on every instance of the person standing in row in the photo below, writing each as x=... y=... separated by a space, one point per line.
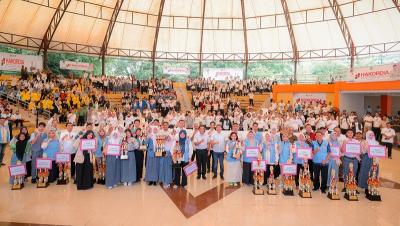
x=388 y=135
x=128 y=166
x=68 y=144
x=201 y=142
x=84 y=166
x=233 y=159
x=139 y=153
x=36 y=141
x=321 y=150
x=185 y=147
x=165 y=174
x=50 y=147
x=218 y=145
x=113 y=162
x=5 y=136
x=249 y=142
x=366 y=161
x=152 y=165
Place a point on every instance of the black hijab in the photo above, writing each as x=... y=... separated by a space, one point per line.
x=20 y=146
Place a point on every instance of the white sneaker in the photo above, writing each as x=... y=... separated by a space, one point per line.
x=175 y=187
x=129 y=184
x=110 y=187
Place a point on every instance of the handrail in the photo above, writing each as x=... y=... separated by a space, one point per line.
x=24 y=104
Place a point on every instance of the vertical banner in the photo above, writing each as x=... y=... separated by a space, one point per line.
x=14 y=62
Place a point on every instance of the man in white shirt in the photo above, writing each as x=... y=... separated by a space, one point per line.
x=388 y=135
x=368 y=120
x=376 y=126
x=68 y=144
x=218 y=145
x=200 y=144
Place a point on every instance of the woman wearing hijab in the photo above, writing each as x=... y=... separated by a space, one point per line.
x=249 y=142
x=20 y=151
x=271 y=156
x=128 y=166
x=113 y=162
x=233 y=159
x=165 y=174
x=84 y=166
x=185 y=146
x=300 y=143
x=50 y=147
x=366 y=161
x=152 y=162
x=334 y=162
x=28 y=160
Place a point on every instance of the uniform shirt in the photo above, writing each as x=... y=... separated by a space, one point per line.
x=377 y=122
x=68 y=143
x=324 y=150
x=220 y=138
x=198 y=137
x=388 y=132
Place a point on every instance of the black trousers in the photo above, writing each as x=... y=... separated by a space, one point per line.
x=201 y=158
x=53 y=174
x=311 y=167
x=193 y=157
x=247 y=176
x=180 y=178
x=72 y=165
x=139 y=156
x=276 y=170
x=389 y=147
x=377 y=133
x=320 y=170
x=210 y=163
x=251 y=102
x=300 y=167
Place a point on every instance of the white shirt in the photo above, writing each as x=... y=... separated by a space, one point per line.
x=68 y=142
x=198 y=137
x=390 y=133
x=220 y=138
x=377 y=122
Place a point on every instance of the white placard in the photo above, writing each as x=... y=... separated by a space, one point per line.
x=113 y=149
x=71 y=65
x=17 y=170
x=377 y=151
x=304 y=153
x=14 y=62
x=353 y=148
x=190 y=168
x=387 y=72
x=335 y=151
x=63 y=157
x=43 y=163
x=88 y=144
x=289 y=169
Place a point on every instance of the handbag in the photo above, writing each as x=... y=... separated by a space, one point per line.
x=79 y=158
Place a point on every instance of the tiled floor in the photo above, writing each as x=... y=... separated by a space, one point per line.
x=208 y=202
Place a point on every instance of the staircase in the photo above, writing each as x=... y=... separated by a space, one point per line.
x=183 y=96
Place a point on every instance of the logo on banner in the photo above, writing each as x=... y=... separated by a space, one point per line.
x=389 y=72
x=176 y=70
x=14 y=62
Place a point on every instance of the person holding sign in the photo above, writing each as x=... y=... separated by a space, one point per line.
x=366 y=160
x=284 y=148
x=165 y=174
x=186 y=149
x=321 y=150
x=152 y=162
x=20 y=151
x=270 y=154
x=128 y=166
x=250 y=153
x=334 y=155
x=36 y=141
x=233 y=149
x=113 y=162
x=298 y=158
x=68 y=142
x=50 y=147
x=351 y=150
x=84 y=166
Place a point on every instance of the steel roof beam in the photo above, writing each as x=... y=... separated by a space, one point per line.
x=153 y=53
x=246 y=50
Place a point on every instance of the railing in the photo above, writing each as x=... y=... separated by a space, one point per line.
x=24 y=104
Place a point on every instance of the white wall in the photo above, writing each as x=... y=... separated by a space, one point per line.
x=395 y=104
x=352 y=102
x=372 y=101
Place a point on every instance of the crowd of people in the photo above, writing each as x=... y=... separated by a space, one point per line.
x=205 y=135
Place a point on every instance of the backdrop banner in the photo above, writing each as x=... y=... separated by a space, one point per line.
x=309 y=97
x=72 y=65
x=14 y=62
x=387 y=72
x=223 y=74
x=176 y=70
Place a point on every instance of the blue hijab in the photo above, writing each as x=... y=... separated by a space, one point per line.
x=182 y=141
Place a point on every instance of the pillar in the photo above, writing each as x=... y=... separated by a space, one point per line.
x=386 y=104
